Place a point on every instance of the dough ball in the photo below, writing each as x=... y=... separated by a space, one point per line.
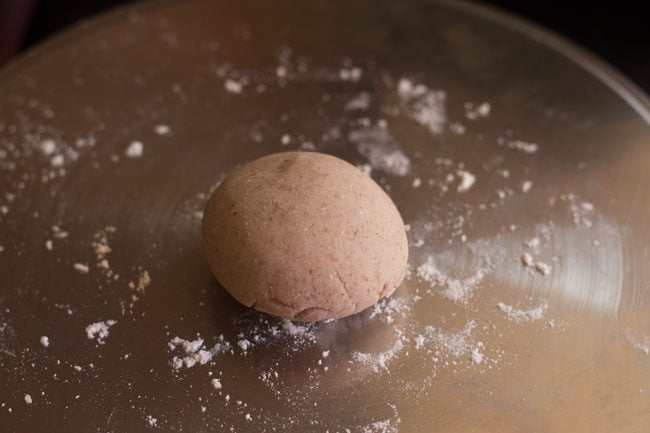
x=304 y=236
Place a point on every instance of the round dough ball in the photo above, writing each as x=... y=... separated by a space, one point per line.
x=304 y=236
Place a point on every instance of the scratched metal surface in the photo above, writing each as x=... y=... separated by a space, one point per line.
x=582 y=366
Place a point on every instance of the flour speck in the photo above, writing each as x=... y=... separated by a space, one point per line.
x=82 y=268
x=233 y=86
x=135 y=149
x=517 y=315
x=99 y=330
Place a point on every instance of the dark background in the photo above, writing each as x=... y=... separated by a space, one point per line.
x=617 y=31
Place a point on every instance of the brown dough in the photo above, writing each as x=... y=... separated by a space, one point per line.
x=304 y=236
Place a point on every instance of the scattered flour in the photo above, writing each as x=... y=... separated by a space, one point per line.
x=457 y=290
x=82 y=268
x=28 y=399
x=474 y=111
x=58 y=232
x=523 y=315
x=135 y=149
x=531 y=264
x=99 y=330
x=387 y=308
x=425 y=106
x=451 y=345
x=101 y=250
x=352 y=74
x=523 y=146
x=389 y=425
x=640 y=344
x=467 y=180
x=533 y=242
x=143 y=282
x=57 y=161
x=281 y=71
x=382 y=151
x=299 y=332
x=162 y=129
x=195 y=352
x=476 y=355
x=233 y=86
x=379 y=361
x=244 y=345
x=45 y=341
x=543 y=268
x=457 y=128
x=385 y=426
x=153 y=422
x=365 y=169
x=47 y=147
x=581 y=211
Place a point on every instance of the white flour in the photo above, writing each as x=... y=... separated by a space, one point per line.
x=101 y=250
x=523 y=315
x=457 y=290
x=162 y=129
x=144 y=280
x=99 y=330
x=379 y=361
x=47 y=147
x=425 y=106
x=45 y=341
x=352 y=73
x=244 y=345
x=520 y=145
x=642 y=344
x=531 y=264
x=135 y=149
x=581 y=211
x=388 y=308
x=448 y=347
x=195 y=352
x=476 y=356
x=474 y=111
x=382 y=151
x=365 y=169
x=58 y=232
x=233 y=86
x=82 y=268
x=467 y=180
x=533 y=242
x=385 y=426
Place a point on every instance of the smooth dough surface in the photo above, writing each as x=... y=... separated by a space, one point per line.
x=304 y=236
